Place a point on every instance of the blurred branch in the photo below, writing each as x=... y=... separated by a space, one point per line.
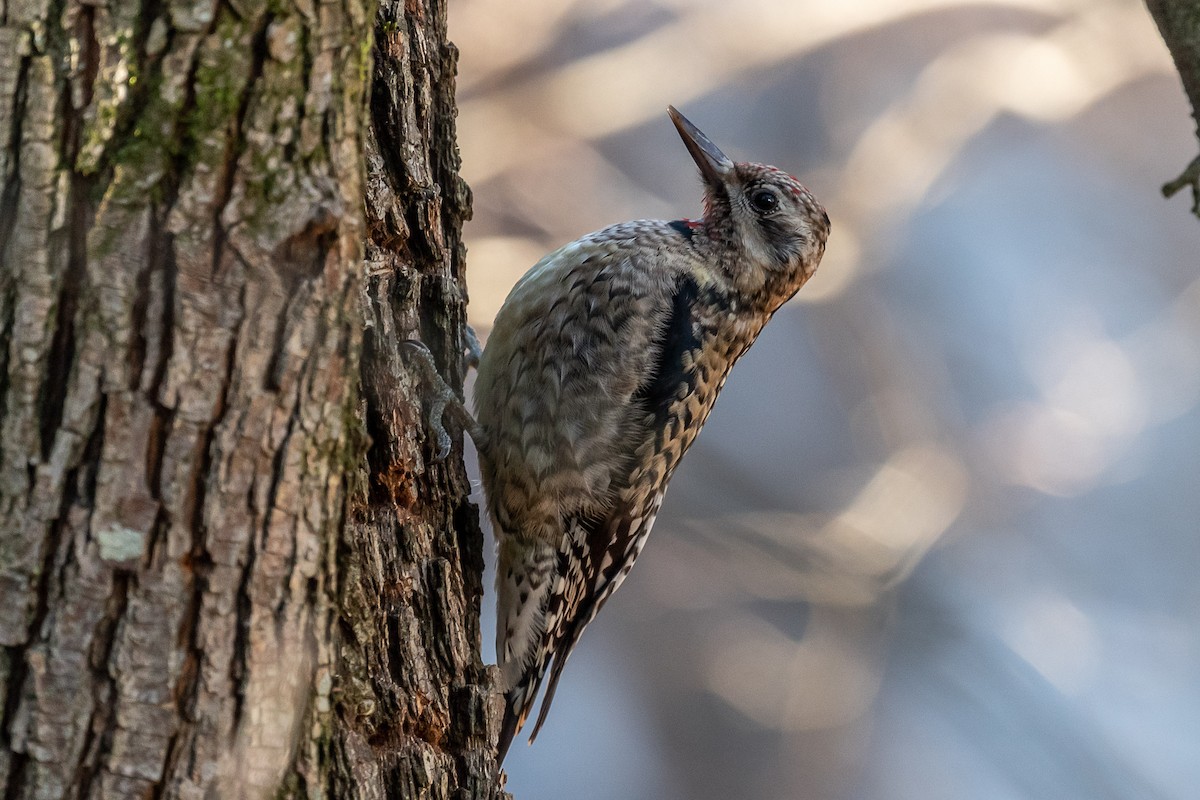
x=1179 y=23
x=1189 y=177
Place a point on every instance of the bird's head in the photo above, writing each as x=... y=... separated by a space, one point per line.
x=777 y=225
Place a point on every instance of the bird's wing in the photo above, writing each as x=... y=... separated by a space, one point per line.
x=598 y=549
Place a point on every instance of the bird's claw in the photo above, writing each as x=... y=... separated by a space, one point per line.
x=441 y=397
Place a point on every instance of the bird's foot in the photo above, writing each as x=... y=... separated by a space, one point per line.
x=441 y=399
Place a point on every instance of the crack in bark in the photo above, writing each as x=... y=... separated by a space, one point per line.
x=180 y=159
x=61 y=358
x=277 y=463
x=78 y=488
x=238 y=670
x=162 y=266
x=235 y=143
x=12 y=700
x=245 y=604
x=297 y=295
x=139 y=342
x=197 y=562
x=103 y=716
x=8 y=295
x=20 y=760
x=189 y=672
x=9 y=195
x=84 y=81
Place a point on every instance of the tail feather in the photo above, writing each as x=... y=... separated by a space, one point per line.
x=518 y=703
x=547 y=598
x=508 y=729
x=524 y=582
x=563 y=645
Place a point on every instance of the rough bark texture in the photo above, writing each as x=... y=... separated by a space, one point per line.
x=211 y=587
x=1179 y=23
x=425 y=722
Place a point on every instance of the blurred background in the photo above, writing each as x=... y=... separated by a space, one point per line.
x=939 y=537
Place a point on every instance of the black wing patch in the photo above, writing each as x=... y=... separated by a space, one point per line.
x=678 y=338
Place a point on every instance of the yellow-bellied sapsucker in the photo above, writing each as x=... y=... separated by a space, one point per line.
x=602 y=366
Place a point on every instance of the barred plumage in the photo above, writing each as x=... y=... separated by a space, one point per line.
x=602 y=366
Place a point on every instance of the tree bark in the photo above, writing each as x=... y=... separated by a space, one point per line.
x=228 y=567
x=427 y=716
x=1179 y=23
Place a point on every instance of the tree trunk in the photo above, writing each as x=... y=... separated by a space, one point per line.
x=1179 y=23
x=228 y=569
x=422 y=713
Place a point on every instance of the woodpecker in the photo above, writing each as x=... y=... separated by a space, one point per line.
x=603 y=364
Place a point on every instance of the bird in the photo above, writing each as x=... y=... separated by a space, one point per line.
x=600 y=370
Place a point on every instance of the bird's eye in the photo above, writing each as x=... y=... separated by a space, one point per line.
x=764 y=201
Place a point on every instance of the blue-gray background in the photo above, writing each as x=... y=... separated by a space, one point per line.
x=939 y=538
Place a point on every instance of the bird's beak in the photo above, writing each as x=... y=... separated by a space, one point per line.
x=714 y=165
